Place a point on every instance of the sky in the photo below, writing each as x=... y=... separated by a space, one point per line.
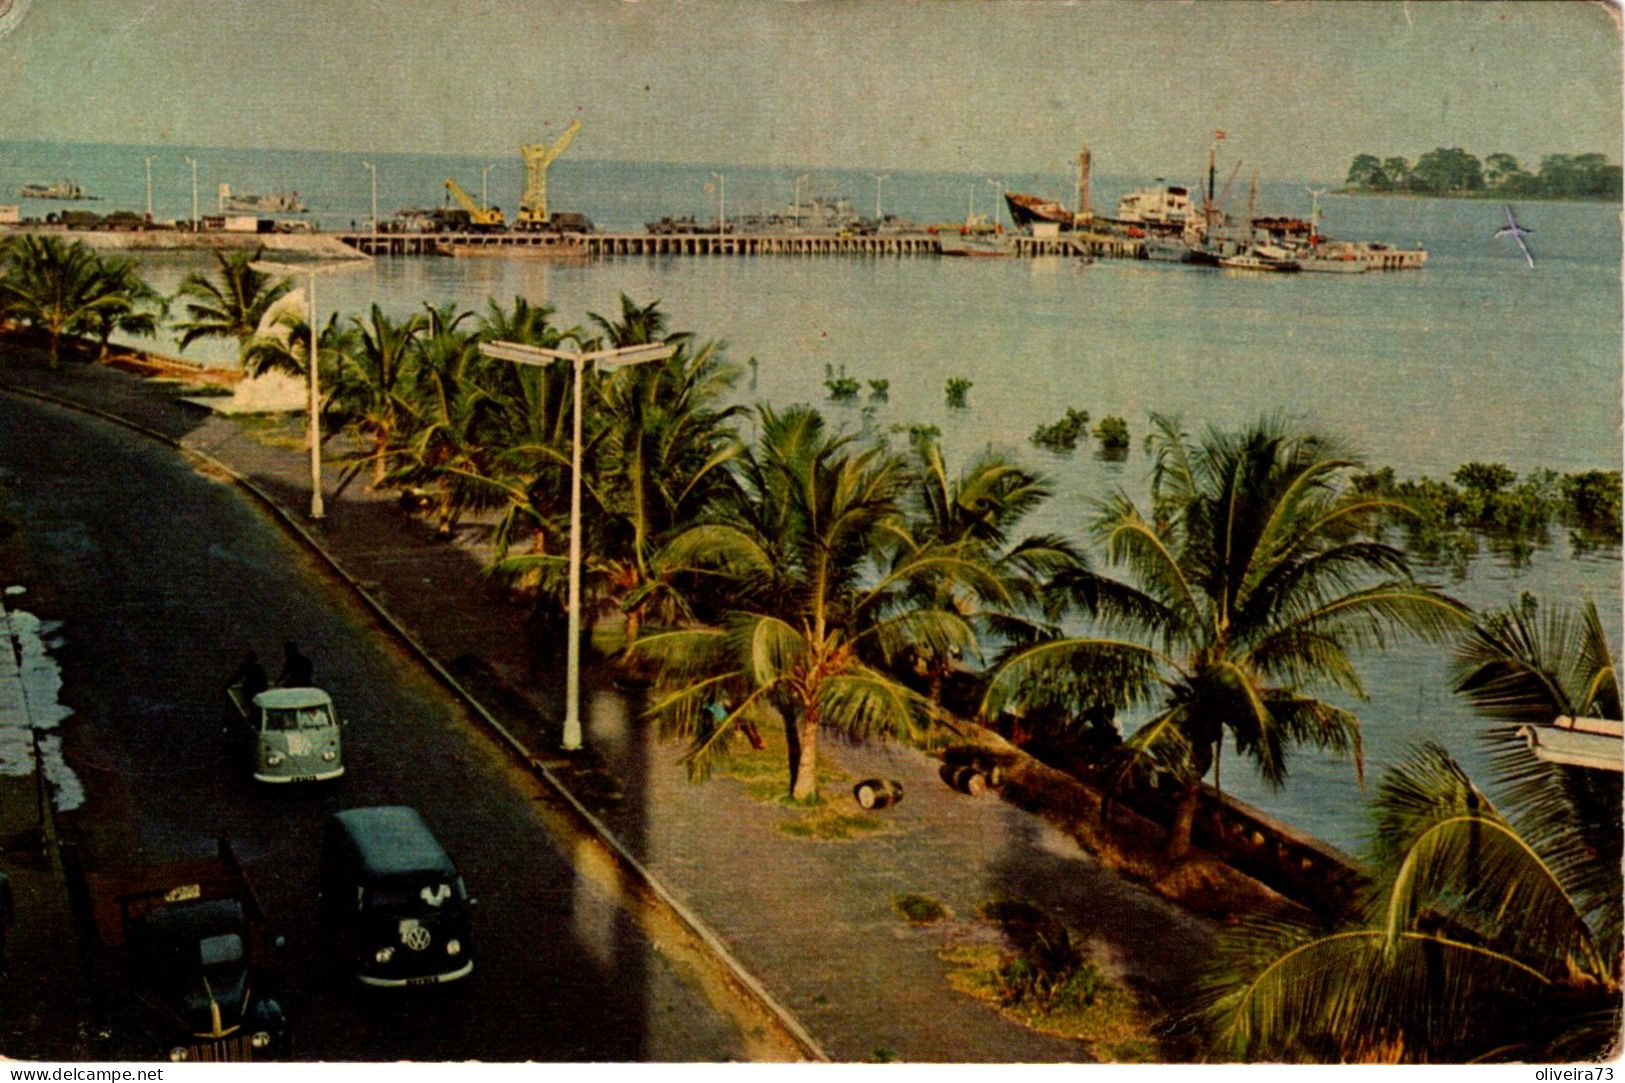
x=1299 y=88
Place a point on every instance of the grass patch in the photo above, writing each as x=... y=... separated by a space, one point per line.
x=830 y=827
x=1040 y=977
x=765 y=777
x=918 y=909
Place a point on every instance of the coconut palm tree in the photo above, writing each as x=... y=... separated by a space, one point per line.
x=231 y=305
x=802 y=555
x=1478 y=944
x=63 y=289
x=371 y=383
x=1256 y=574
x=142 y=309
x=975 y=513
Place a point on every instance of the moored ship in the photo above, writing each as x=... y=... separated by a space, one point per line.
x=1028 y=210
x=1159 y=205
x=64 y=189
x=250 y=203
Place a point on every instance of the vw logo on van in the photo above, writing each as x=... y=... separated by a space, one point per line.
x=414 y=935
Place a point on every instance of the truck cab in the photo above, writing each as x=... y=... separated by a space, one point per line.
x=189 y=938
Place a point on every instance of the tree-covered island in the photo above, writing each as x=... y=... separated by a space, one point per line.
x=1454 y=172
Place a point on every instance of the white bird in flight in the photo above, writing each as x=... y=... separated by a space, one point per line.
x=1518 y=234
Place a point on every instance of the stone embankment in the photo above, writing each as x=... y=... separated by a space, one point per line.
x=170 y=240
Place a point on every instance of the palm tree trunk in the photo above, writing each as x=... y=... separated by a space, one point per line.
x=379 y=462
x=804 y=783
x=1179 y=832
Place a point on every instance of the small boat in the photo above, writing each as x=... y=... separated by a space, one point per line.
x=249 y=203
x=65 y=189
x=974 y=245
x=1261 y=257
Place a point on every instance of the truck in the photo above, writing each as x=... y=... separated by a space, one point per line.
x=188 y=942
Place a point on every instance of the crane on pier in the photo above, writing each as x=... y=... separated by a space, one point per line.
x=538 y=156
x=480 y=220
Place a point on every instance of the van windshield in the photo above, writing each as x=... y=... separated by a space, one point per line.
x=287 y=719
x=417 y=897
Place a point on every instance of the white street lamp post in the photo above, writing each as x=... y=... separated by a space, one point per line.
x=485 y=172
x=722 y=202
x=150 y=157
x=880 y=179
x=536 y=355
x=374 y=171
x=193 y=163
x=798 y=199
x=313 y=384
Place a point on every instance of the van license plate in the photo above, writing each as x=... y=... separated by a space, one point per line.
x=430 y=980
x=303 y=778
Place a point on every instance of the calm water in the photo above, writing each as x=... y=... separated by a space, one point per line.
x=1474 y=358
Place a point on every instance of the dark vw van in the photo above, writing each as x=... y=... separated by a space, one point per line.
x=393 y=899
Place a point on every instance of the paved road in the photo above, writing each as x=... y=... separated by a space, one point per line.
x=161 y=577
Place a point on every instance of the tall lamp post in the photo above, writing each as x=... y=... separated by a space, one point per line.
x=193 y=163
x=998 y=187
x=522 y=354
x=150 y=157
x=722 y=201
x=374 y=171
x=880 y=180
x=798 y=199
x=313 y=384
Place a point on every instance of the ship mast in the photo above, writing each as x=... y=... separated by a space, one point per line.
x=1252 y=201
x=1083 y=213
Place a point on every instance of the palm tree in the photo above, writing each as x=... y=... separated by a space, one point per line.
x=234 y=304
x=371 y=382
x=1256 y=575
x=801 y=552
x=63 y=289
x=975 y=513
x=1478 y=944
x=142 y=309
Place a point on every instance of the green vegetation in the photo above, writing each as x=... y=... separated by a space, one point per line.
x=957 y=392
x=66 y=291
x=1454 y=172
x=1040 y=977
x=879 y=390
x=1493 y=935
x=231 y=305
x=1255 y=574
x=1112 y=432
x=841 y=387
x=919 y=909
x=1490 y=500
x=1062 y=435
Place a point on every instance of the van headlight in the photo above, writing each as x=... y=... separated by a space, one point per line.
x=384 y=955
x=273 y=759
x=454 y=947
x=260 y=1039
x=328 y=754
x=180 y=1052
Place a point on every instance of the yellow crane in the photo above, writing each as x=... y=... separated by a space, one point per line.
x=538 y=156
x=479 y=219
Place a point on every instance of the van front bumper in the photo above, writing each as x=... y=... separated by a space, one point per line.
x=421 y=979
x=295 y=776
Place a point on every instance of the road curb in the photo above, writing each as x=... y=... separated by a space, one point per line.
x=793 y=1027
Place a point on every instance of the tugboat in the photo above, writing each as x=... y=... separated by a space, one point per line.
x=249 y=203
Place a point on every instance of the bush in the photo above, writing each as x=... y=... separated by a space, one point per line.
x=1062 y=435
x=1112 y=432
x=879 y=390
x=841 y=387
x=919 y=909
x=957 y=390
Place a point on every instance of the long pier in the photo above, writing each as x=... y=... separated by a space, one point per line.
x=591 y=245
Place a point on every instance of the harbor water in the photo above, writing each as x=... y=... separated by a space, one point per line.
x=1475 y=358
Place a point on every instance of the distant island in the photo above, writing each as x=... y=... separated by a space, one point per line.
x=1454 y=172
